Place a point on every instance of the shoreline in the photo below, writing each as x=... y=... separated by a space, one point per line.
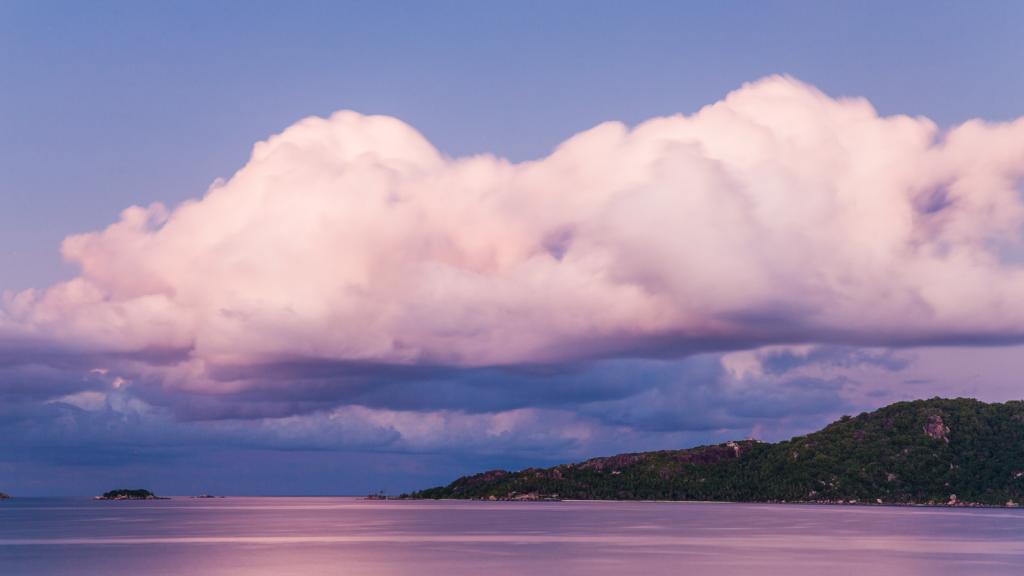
x=759 y=502
x=971 y=505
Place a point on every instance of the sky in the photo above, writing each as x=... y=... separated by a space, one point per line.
x=341 y=247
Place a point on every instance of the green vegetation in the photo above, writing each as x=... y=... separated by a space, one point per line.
x=125 y=494
x=934 y=451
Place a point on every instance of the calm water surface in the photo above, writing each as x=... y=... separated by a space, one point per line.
x=343 y=536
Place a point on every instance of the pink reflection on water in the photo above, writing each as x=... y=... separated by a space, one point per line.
x=314 y=536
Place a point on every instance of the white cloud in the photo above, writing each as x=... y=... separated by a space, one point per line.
x=89 y=400
x=776 y=215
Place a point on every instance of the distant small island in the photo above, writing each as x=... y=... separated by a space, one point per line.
x=126 y=494
x=937 y=452
x=4 y=496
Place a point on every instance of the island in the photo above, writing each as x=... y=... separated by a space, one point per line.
x=4 y=496
x=126 y=494
x=948 y=452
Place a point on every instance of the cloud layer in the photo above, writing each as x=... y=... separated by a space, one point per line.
x=352 y=286
x=778 y=214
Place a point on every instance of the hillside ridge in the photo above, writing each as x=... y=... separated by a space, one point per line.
x=939 y=451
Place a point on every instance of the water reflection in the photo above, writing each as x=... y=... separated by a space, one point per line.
x=312 y=536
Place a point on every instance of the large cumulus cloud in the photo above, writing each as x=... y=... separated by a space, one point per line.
x=754 y=269
x=778 y=214
x=349 y=265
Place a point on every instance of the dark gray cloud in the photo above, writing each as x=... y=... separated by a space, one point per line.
x=781 y=361
x=75 y=416
x=699 y=395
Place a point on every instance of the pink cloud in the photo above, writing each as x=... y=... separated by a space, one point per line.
x=775 y=215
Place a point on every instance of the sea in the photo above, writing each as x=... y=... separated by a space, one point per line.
x=282 y=536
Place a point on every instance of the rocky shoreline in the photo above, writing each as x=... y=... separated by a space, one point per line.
x=555 y=498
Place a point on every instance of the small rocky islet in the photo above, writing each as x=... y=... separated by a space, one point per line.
x=127 y=494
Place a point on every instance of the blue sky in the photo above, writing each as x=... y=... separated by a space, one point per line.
x=109 y=104
x=106 y=105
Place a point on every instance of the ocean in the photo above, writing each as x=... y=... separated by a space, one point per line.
x=352 y=536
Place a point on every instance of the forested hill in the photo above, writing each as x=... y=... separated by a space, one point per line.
x=934 y=451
